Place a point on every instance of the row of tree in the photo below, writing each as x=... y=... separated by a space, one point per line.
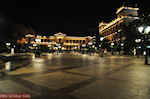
x=14 y=31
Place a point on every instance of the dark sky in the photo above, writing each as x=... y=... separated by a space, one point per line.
x=72 y=17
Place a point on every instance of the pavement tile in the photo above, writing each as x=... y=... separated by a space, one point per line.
x=136 y=77
x=8 y=86
x=91 y=70
x=26 y=70
x=56 y=80
x=80 y=76
x=109 y=89
x=97 y=70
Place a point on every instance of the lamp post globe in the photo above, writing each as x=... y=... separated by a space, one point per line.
x=141 y=29
x=147 y=30
x=101 y=38
x=144 y=30
x=112 y=44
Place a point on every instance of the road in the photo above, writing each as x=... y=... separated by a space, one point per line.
x=78 y=76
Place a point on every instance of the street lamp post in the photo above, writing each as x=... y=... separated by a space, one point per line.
x=112 y=48
x=49 y=48
x=90 y=46
x=8 y=47
x=137 y=47
x=145 y=31
x=83 y=45
x=122 y=48
x=94 y=44
x=78 y=48
x=59 y=47
x=100 y=46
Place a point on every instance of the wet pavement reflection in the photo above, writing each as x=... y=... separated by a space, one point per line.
x=77 y=76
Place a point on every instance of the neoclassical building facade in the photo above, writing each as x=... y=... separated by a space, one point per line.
x=59 y=40
x=112 y=31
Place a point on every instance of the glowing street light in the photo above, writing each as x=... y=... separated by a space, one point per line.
x=84 y=45
x=112 y=48
x=49 y=45
x=90 y=43
x=8 y=44
x=122 y=44
x=93 y=46
x=145 y=31
x=141 y=29
x=59 y=47
x=102 y=38
x=138 y=40
x=112 y=44
x=34 y=45
x=38 y=40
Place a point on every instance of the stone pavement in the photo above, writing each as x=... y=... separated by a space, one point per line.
x=78 y=76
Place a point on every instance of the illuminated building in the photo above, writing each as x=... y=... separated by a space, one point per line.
x=112 y=31
x=58 y=41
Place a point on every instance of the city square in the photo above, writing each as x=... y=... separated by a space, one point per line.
x=74 y=49
x=77 y=76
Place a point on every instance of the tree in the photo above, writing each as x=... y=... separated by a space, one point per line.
x=131 y=33
x=18 y=31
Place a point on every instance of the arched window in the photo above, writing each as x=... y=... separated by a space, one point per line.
x=80 y=41
x=59 y=40
x=83 y=41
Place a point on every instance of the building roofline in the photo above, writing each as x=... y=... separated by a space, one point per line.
x=116 y=21
x=102 y=23
x=123 y=7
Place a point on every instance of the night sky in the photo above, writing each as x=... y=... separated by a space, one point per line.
x=73 y=17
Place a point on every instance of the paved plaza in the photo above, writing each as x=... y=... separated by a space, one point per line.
x=78 y=76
